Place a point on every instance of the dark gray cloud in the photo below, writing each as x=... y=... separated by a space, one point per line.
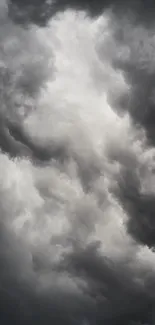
x=40 y=11
x=77 y=163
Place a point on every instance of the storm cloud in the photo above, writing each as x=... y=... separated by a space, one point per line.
x=77 y=163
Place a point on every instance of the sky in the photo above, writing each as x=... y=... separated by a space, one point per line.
x=77 y=162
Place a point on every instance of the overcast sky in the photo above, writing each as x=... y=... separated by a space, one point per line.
x=77 y=162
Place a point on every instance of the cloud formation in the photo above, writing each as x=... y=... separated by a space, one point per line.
x=77 y=165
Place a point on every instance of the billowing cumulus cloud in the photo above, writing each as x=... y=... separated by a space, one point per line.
x=77 y=163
